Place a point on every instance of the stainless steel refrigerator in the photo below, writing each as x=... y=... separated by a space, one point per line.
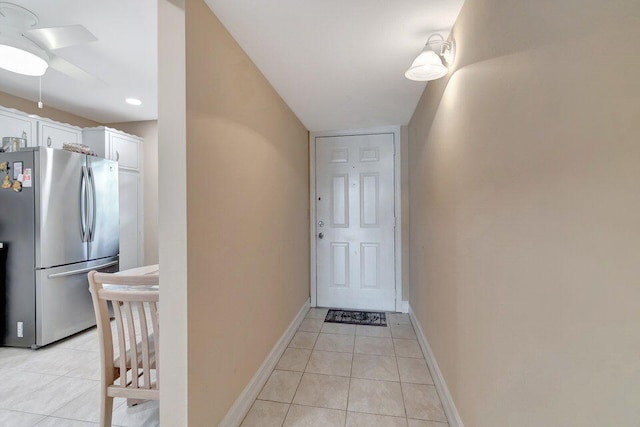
x=62 y=224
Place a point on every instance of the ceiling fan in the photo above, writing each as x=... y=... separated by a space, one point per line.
x=26 y=49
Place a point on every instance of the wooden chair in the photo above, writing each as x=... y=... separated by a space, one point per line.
x=127 y=369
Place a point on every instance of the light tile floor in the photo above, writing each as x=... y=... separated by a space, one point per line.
x=346 y=375
x=58 y=385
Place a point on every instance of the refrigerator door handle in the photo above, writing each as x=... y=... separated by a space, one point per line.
x=82 y=270
x=83 y=204
x=92 y=227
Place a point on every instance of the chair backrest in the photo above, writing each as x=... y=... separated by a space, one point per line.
x=135 y=307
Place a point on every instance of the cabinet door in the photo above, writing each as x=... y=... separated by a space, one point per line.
x=54 y=136
x=130 y=223
x=124 y=151
x=98 y=140
x=17 y=126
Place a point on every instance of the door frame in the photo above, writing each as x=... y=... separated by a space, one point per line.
x=397 y=175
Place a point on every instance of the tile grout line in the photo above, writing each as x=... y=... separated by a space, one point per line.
x=328 y=375
x=353 y=354
x=341 y=376
x=432 y=385
x=28 y=413
x=65 y=404
x=40 y=421
x=299 y=382
x=265 y=384
x=47 y=359
x=56 y=376
x=314 y=349
x=404 y=405
x=356 y=412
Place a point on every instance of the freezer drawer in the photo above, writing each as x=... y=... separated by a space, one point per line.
x=63 y=301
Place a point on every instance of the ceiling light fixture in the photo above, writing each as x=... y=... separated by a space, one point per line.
x=133 y=101
x=22 y=58
x=431 y=63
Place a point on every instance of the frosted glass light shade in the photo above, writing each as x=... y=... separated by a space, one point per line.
x=427 y=66
x=22 y=61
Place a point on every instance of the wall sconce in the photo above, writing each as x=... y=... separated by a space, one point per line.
x=432 y=62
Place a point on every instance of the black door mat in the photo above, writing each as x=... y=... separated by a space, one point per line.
x=357 y=317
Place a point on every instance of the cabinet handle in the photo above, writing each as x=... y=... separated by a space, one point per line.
x=48 y=141
x=117 y=155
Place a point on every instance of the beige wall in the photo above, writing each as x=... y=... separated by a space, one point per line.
x=148 y=130
x=247 y=216
x=525 y=214
x=31 y=107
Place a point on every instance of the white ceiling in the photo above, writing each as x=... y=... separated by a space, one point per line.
x=339 y=64
x=124 y=58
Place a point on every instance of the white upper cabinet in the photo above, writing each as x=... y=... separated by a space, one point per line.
x=124 y=150
x=54 y=135
x=115 y=145
x=38 y=131
x=17 y=125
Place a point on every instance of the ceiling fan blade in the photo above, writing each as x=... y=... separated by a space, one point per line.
x=58 y=37
x=66 y=67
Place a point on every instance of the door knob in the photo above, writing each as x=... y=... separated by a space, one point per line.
x=321 y=236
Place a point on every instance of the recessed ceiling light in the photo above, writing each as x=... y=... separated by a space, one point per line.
x=133 y=101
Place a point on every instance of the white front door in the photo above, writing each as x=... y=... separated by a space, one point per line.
x=355 y=222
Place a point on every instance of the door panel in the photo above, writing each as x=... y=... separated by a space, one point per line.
x=355 y=214
x=55 y=136
x=369 y=196
x=369 y=265
x=125 y=152
x=340 y=201
x=19 y=126
x=58 y=213
x=339 y=265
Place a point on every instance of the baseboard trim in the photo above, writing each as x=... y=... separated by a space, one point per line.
x=441 y=386
x=405 y=306
x=243 y=403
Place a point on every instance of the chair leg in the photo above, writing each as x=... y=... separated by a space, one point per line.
x=106 y=409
